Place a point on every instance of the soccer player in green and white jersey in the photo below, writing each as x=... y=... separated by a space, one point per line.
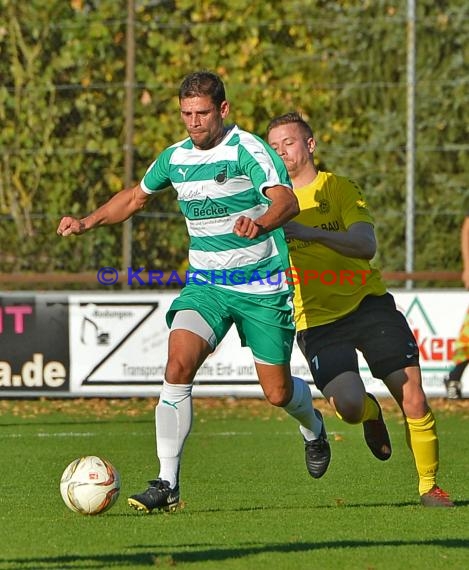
x=235 y=194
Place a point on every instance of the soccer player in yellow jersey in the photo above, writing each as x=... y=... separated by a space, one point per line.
x=341 y=305
x=453 y=381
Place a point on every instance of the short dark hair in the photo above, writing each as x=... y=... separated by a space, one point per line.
x=289 y=118
x=201 y=84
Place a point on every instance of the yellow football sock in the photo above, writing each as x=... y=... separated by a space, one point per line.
x=371 y=411
x=423 y=442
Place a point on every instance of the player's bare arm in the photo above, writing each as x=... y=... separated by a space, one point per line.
x=284 y=207
x=119 y=208
x=358 y=240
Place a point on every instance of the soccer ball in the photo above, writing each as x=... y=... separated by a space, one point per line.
x=90 y=485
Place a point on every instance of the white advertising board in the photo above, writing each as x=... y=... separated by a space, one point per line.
x=118 y=345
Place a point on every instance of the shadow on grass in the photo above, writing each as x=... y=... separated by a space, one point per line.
x=338 y=505
x=191 y=553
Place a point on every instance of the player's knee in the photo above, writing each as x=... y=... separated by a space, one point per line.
x=350 y=412
x=177 y=373
x=278 y=397
x=415 y=404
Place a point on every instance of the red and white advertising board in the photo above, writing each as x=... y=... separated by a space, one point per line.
x=114 y=344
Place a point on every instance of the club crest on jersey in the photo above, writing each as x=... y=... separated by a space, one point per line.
x=324 y=207
x=221 y=175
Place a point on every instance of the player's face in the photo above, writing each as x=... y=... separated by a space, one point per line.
x=203 y=120
x=290 y=143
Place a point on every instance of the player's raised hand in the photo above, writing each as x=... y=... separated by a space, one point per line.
x=70 y=226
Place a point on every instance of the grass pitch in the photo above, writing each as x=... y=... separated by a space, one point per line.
x=248 y=500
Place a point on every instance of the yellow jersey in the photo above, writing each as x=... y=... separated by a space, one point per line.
x=329 y=285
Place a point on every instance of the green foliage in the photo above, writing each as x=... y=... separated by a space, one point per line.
x=342 y=64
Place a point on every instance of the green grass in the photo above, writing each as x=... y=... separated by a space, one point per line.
x=249 y=503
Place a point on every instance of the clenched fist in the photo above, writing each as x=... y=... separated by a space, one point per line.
x=245 y=227
x=70 y=226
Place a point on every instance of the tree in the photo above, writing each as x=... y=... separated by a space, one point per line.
x=62 y=100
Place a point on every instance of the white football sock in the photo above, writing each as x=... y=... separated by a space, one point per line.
x=301 y=408
x=173 y=420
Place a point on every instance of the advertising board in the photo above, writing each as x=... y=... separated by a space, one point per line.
x=115 y=345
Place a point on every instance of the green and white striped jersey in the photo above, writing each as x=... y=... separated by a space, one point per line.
x=214 y=187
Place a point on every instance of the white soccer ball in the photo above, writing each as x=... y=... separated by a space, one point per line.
x=90 y=485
